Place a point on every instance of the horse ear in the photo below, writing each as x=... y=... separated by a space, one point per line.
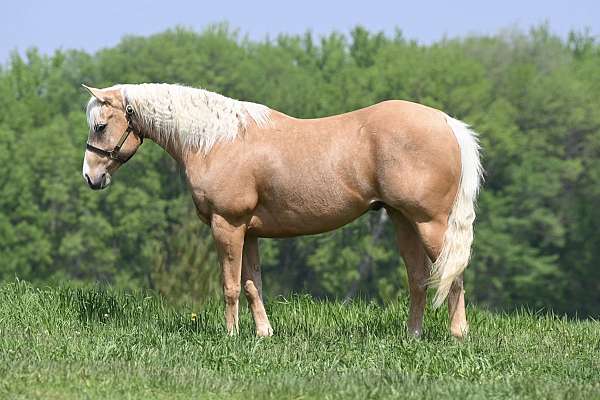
x=98 y=94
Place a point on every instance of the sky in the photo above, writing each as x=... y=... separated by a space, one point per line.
x=92 y=25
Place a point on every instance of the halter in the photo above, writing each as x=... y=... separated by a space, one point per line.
x=114 y=153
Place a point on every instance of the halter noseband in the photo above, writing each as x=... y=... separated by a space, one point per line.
x=114 y=153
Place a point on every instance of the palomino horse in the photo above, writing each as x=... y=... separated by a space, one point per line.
x=256 y=172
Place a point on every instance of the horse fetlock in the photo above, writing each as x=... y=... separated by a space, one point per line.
x=250 y=289
x=233 y=330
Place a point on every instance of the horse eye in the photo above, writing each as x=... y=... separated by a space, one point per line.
x=99 y=128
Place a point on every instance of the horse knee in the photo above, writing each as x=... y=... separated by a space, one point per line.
x=232 y=293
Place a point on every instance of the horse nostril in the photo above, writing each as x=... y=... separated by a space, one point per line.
x=89 y=181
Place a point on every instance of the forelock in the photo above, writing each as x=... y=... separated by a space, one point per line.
x=93 y=109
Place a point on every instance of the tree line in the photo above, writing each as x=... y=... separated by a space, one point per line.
x=534 y=97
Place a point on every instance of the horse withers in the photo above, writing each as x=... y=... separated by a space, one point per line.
x=256 y=172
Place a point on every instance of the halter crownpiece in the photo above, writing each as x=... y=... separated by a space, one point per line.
x=114 y=153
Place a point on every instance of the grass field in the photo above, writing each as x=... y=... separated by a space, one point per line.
x=93 y=343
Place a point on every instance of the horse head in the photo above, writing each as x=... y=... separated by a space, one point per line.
x=110 y=142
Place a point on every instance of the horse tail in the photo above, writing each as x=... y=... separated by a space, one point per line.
x=456 y=249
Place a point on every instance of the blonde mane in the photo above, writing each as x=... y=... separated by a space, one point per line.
x=186 y=117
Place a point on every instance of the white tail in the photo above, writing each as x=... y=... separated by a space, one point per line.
x=456 y=250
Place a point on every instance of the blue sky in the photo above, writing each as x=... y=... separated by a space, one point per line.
x=91 y=25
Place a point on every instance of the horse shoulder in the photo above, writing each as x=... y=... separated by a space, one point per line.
x=222 y=186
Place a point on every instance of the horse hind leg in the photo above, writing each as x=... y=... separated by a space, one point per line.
x=456 y=309
x=432 y=234
x=413 y=253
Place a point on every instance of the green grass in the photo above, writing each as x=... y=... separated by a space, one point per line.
x=94 y=343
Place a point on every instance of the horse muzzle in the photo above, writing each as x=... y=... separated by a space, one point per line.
x=99 y=182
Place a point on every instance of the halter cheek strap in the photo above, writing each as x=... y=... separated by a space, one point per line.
x=114 y=154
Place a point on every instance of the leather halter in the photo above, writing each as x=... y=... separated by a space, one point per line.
x=114 y=153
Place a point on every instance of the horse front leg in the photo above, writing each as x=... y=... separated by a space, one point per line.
x=229 y=238
x=252 y=283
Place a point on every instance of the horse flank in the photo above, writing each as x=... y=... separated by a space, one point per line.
x=187 y=117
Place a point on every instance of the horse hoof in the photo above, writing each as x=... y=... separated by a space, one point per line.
x=415 y=333
x=460 y=332
x=264 y=331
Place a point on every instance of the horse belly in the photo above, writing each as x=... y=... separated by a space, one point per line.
x=309 y=205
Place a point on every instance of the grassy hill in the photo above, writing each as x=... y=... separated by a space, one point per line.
x=95 y=343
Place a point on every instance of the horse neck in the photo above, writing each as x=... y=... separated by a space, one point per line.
x=169 y=143
x=185 y=120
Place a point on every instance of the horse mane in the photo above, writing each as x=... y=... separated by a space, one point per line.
x=187 y=117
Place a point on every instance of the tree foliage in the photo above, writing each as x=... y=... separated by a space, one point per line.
x=533 y=97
